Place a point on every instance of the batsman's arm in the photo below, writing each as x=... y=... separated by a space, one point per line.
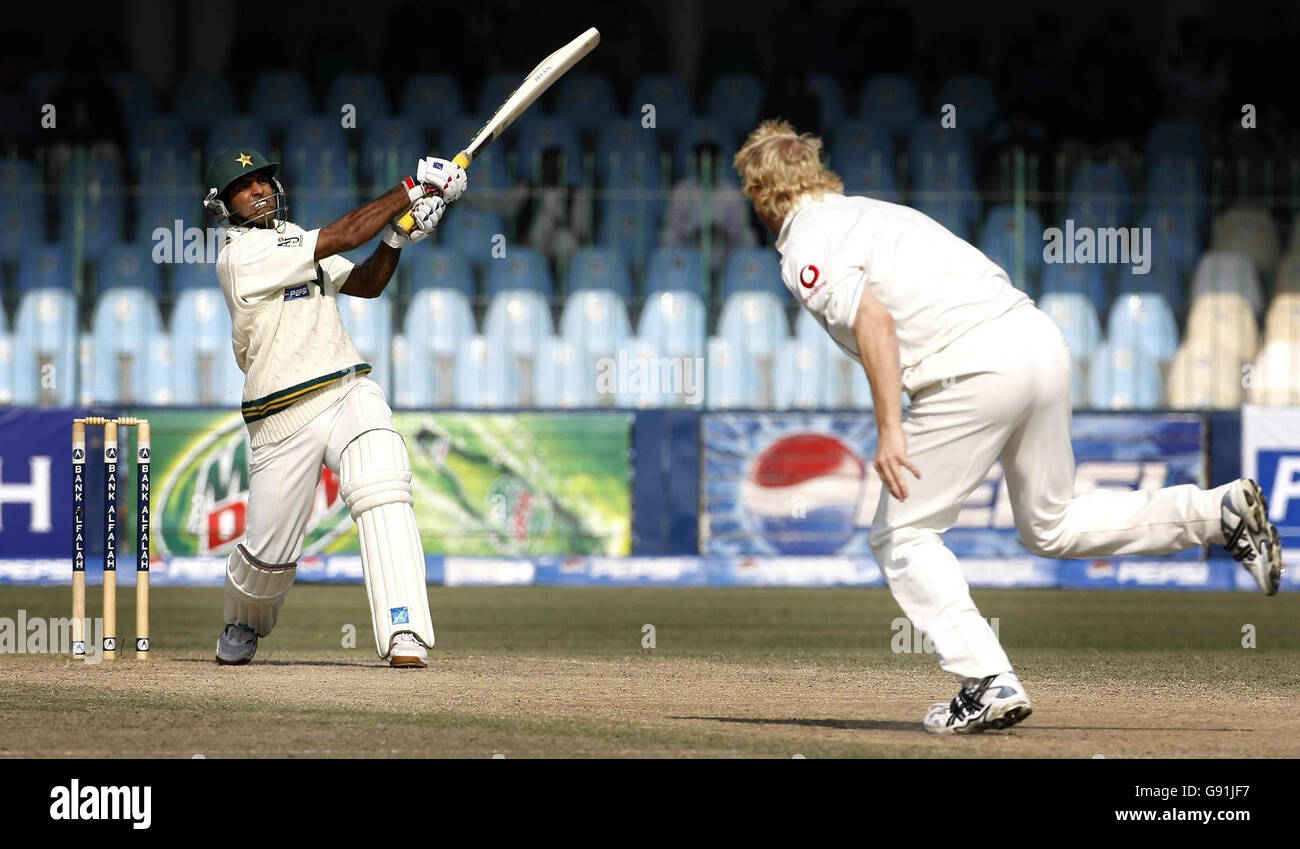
x=873 y=328
x=368 y=279
x=363 y=223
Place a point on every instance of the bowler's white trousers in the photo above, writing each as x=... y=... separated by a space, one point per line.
x=1002 y=390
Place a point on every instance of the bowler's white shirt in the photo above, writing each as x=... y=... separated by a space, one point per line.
x=935 y=285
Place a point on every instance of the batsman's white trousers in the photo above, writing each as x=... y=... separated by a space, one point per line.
x=283 y=477
x=1002 y=390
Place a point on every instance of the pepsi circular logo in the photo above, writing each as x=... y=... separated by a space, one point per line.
x=801 y=494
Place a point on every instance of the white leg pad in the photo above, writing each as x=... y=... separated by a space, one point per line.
x=376 y=486
x=255 y=590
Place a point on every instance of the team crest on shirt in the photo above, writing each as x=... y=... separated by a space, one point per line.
x=809 y=275
x=288 y=241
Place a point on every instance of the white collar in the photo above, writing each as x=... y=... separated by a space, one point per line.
x=804 y=201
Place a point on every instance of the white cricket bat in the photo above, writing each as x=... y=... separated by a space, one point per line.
x=539 y=79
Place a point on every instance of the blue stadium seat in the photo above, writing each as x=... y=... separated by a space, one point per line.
x=203 y=368
x=390 y=150
x=122 y=368
x=323 y=203
x=21 y=225
x=973 y=96
x=675 y=270
x=487 y=377
x=627 y=156
x=893 y=101
x=467 y=232
x=522 y=269
x=1076 y=315
x=933 y=148
x=827 y=91
x=41 y=84
x=158 y=137
x=163 y=205
x=1176 y=184
x=1178 y=138
x=45 y=347
x=998 y=242
x=670 y=97
x=19 y=180
x=545 y=133
x=1083 y=278
x=195 y=275
x=1099 y=196
x=587 y=100
x=872 y=176
x=754 y=324
x=704 y=131
x=595 y=322
x=309 y=136
x=364 y=90
x=803 y=376
x=1118 y=379
x=280 y=98
x=1078 y=385
x=563 y=377
x=673 y=321
x=104 y=191
x=436 y=267
x=1162 y=280
x=429 y=100
x=369 y=321
x=631 y=227
x=136 y=94
x=489 y=169
x=45 y=267
x=517 y=322
x=496 y=88
x=6 y=362
x=1175 y=239
x=599 y=268
x=753 y=270
x=438 y=326
x=945 y=189
x=731 y=382
x=202 y=98
x=235 y=131
x=734 y=99
x=1145 y=324
x=129 y=267
x=857 y=140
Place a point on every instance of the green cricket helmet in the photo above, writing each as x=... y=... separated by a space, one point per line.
x=227 y=167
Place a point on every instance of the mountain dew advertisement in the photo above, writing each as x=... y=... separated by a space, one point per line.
x=485 y=484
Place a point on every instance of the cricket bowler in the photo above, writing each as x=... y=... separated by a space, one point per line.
x=307 y=399
x=988 y=375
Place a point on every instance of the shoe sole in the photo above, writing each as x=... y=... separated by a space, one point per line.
x=221 y=662
x=407 y=663
x=1257 y=524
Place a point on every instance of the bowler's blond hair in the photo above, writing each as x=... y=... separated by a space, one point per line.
x=776 y=165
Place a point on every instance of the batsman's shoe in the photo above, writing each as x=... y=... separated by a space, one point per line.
x=996 y=702
x=1250 y=537
x=406 y=652
x=236 y=645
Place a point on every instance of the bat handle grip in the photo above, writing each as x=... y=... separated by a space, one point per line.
x=406 y=223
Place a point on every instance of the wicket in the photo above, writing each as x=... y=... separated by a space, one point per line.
x=110 y=535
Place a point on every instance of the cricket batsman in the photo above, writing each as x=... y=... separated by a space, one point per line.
x=307 y=399
x=988 y=375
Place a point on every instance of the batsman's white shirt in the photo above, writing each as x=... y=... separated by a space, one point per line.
x=1006 y=397
x=288 y=335
x=935 y=285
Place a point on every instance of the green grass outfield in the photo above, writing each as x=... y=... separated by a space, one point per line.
x=538 y=671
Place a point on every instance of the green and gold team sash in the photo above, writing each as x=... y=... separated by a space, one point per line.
x=269 y=405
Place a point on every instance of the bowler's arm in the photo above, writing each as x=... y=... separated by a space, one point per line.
x=873 y=328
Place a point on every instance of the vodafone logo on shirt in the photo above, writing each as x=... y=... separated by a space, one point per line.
x=809 y=275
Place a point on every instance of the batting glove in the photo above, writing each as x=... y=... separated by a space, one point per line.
x=446 y=178
x=427 y=212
